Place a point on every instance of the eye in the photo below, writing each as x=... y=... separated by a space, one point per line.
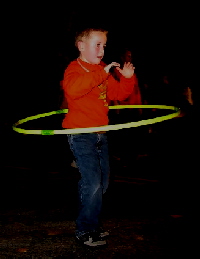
x=104 y=46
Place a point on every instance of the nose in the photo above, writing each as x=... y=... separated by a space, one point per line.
x=101 y=50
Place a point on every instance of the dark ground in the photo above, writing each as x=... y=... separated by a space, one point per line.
x=149 y=208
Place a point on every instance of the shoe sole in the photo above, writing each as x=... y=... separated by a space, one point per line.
x=92 y=243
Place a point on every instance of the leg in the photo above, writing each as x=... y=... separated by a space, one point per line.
x=104 y=161
x=85 y=150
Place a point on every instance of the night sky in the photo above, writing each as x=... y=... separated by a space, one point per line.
x=40 y=38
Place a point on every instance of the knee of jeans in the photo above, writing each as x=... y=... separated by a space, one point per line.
x=96 y=188
x=90 y=188
x=105 y=189
x=105 y=184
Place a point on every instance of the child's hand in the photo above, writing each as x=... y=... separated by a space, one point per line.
x=127 y=70
x=113 y=64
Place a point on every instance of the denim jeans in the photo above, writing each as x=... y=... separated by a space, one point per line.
x=91 y=153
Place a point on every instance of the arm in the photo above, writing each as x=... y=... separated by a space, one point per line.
x=78 y=82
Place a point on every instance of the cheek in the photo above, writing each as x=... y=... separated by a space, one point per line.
x=96 y=50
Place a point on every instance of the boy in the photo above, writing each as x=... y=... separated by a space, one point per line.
x=86 y=83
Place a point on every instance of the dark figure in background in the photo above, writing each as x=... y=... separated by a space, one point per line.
x=126 y=115
x=166 y=91
x=126 y=148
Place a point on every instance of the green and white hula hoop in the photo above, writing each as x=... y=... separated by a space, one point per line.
x=176 y=113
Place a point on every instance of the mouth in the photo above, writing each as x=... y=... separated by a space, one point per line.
x=100 y=57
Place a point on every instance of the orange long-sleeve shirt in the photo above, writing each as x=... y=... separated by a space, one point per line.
x=85 y=88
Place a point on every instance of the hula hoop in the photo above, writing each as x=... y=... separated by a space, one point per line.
x=176 y=113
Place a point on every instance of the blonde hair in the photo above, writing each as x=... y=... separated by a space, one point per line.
x=85 y=34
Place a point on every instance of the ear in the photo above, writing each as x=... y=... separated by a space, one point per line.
x=81 y=45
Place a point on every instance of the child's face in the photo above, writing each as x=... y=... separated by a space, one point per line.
x=92 y=48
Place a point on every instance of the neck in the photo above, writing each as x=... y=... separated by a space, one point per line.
x=83 y=59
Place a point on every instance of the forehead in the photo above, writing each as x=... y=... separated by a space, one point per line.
x=97 y=36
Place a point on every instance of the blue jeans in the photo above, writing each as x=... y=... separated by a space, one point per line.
x=91 y=153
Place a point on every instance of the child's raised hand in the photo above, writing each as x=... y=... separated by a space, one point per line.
x=113 y=64
x=127 y=70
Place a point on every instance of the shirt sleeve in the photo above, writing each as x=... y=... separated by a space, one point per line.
x=120 y=90
x=78 y=82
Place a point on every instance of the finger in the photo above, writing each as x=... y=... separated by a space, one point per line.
x=128 y=64
x=131 y=66
x=115 y=64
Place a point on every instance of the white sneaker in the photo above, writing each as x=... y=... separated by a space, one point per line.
x=91 y=240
